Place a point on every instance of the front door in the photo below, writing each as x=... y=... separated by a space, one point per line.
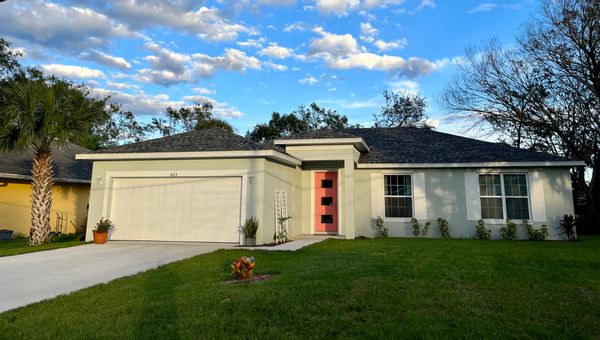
x=326 y=202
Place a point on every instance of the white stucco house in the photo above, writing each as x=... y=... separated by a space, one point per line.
x=201 y=185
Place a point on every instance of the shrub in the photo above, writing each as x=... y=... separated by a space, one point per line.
x=569 y=227
x=416 y=229
x=243 y=267
x=426 y=228
x=509 y=232
x=250 y=227
x=281 y=236
x=381 y=229
x=481 y=232
x=443 y=225
x=104 y=225
x=535 y=234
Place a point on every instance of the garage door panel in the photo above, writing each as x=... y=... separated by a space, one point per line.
x=176 y=209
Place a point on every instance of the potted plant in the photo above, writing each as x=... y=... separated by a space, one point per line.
x=101 y=230
x=6 y=234
x=249 y=229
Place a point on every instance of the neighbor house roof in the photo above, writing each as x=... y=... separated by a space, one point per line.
x=414 y=145
x=205 y=143
x=17 y=164
x=215 y=139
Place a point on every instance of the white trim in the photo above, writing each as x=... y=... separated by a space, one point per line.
x=192 y=155
x=358 y=142
x=56 y=179
x=468 y=165
x=110 y=175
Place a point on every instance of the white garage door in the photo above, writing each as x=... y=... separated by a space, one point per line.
x=203 y=209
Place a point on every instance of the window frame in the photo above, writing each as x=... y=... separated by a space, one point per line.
x=411 y=196
x=504 y=196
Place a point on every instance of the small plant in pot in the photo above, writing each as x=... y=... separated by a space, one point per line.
x=101 y=230
x=249 y=229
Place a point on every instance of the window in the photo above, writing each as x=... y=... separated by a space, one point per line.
x=326 y=183
x=326 y=200
x=504 y=196
x=398 y=196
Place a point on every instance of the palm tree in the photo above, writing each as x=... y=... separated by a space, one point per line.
x=36 y=114
x=214 y=123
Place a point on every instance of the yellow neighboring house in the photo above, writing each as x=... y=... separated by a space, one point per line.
x=70 y=193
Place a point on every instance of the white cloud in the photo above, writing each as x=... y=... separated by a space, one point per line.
x=138 y=103
x=223 y=110
x=72 y=71
x=276 y=67
x=206 y=23
x=66 y=29
x=343 y=7
x=333 y=44
x=106 y=59
x=340 y=7
x=427 y=3
x=489 y=6
x=297 y=26
x=166 y=59
x=309 y=80
x=276 y=51
x=368 y=33
x=122 y=86
x=232 y=60
x=408 y=86
x=391 y=45
x=256 y=43
x=162 y=77
x=399 y=66
x=203 y=90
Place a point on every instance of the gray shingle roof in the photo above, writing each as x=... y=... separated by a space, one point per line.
x=413 y=145
x=214 y=139
x=66 y=168
x=321 y=134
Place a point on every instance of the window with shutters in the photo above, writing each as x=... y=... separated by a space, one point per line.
x=398 y=196
x=504 y=196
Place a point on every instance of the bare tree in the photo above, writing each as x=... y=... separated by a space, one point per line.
x=543 y=93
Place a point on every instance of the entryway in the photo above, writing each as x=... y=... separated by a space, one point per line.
x=326 y=202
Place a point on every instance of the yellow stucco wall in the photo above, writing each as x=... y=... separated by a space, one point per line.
x=69 y=199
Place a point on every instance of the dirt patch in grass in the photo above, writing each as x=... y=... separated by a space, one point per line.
x=255 y=278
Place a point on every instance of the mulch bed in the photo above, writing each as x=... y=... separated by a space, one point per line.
x=255 y=278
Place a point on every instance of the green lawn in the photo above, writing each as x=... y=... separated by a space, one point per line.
x=384 y=288
x=19 y=246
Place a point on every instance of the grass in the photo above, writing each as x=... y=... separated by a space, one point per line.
x=19 y=246
x=382 y=288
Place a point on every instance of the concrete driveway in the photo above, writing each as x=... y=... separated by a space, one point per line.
x=34 y=277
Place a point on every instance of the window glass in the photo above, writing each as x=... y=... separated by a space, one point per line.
x=326 y=183
x=517 y=208
x=491 y=208
x=489 y=185
x=398 y=195
x=515 y=185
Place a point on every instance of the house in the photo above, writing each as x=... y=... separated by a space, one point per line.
x=70 y=192
x=201 y=185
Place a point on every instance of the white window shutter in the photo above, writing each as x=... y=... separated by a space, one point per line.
x=538 y=203
x=420 y=201
x=377 y=195
x=472 y=193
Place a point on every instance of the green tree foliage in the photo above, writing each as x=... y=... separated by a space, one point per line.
x=8 y=59
x=36 y=114
x=305 y=118
x=402 y=109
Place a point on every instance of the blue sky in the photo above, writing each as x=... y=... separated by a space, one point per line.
x=251 y=58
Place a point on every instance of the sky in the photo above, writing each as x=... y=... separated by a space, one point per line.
x=251 y=58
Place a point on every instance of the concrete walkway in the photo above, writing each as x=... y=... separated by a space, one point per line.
x=298 y=242
x=34 y=277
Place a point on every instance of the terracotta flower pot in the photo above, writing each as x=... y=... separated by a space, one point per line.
x=100 y=238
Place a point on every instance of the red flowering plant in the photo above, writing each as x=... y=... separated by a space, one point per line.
x=243 y=267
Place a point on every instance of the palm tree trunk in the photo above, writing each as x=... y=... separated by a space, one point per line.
x=41 y=196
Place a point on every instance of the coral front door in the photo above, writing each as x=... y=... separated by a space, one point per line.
x=326 y=202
